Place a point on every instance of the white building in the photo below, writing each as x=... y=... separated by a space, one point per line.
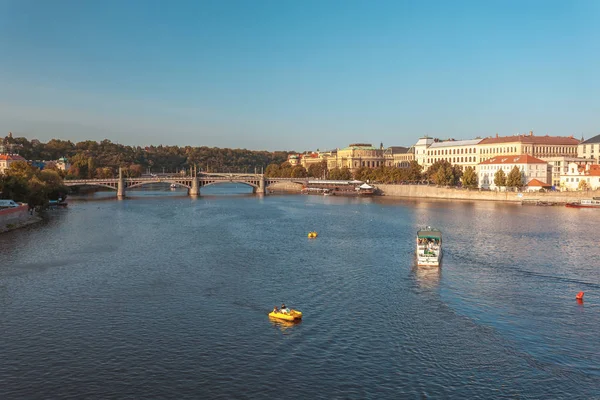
x=420 y=149
x=560 y=165
x=457 y=152
x=571 y=179
x=590 y=149
x=530 y=167
x=63 y=164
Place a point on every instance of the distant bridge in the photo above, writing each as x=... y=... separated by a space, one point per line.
x=258 y=182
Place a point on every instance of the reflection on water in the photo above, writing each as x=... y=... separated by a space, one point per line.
x=284 y=325
x=427 y=277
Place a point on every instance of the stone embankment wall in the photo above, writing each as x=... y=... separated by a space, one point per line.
x=433 y=192
x=16 y=217
x=285 y=187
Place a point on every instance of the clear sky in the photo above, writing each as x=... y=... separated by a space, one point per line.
x=297 y=75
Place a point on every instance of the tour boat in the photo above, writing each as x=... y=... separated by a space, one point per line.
x=293 y=315
x=585 y=203
x=365 y=190
x=429 y=247
x=173 y=186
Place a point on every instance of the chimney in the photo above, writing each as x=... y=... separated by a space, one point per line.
x=530 y=133
x=496 y=135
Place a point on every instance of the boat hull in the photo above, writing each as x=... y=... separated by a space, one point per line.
x=576 y=205
x=429 y=261
x=292 y=316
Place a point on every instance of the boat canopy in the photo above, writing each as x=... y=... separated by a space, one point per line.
x=429 y=233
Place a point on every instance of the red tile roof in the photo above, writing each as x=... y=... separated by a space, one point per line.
x=11 y=157
x=522 y=159
x=529 y=139
x=537 y=182
x=594 y=170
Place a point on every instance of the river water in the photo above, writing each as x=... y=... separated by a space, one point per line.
x=164 y=296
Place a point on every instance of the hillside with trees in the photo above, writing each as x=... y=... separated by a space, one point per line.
x=91 y=159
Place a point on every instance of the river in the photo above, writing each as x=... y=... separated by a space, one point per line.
x=164 y=296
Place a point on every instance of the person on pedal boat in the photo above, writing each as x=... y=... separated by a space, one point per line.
x=284 y=309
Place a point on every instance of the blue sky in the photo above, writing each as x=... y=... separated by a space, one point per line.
x=297 y=75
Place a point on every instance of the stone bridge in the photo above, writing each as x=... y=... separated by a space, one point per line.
x=258 y=182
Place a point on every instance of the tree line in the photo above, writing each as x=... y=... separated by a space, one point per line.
x=90 y=159
x=441 y=173
x=25 y=183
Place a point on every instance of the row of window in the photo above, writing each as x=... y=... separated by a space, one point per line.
x=471 y=150
x=451 y=159
x=505 y=150
x=550 y=150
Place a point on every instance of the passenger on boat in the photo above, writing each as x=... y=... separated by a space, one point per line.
x=275 y=309
x=284 y=309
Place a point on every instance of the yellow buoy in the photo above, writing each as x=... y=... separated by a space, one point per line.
x=312 y=235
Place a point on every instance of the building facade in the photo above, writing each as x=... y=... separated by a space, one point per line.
x=541 y=147
x=357 y=155
x=530 y=167
x=560 y=166
x=590 y=149
x=576 y=173
x=457 y=152
x=397 y=156
x=7 y=159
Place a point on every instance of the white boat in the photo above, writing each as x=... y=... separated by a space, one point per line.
x=173 y=186
x=429 y=247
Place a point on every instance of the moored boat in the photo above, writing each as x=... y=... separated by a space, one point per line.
x=429 y=247
x=585 y=203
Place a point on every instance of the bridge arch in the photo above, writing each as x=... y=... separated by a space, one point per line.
x=138 y=184
x=252 y=185
x=106 y=185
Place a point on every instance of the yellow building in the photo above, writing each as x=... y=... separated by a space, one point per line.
x=397 y=156
x=357 y=155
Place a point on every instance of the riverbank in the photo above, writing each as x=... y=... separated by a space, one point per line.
x=17 y=217
x=433 y=192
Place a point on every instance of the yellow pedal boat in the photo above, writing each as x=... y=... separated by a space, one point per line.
x=292 y=316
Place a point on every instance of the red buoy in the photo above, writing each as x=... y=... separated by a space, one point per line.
x=579 y=296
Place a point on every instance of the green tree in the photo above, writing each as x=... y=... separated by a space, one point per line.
x=298 y=172
x=469 y=178
x=414 y=172
x=317 y=170
x=514 y=178
x=54 y=185
x=500 y=178
x=21 y=169
x=273 y=171
x=13 y=187
x=444 y=175
x=340 y=174
x=285 y=170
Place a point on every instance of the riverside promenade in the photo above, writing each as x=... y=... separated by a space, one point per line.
x=433 y=192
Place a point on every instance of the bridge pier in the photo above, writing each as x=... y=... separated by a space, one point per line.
x=121 y=186
x=262 y=187
x=195 y=189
